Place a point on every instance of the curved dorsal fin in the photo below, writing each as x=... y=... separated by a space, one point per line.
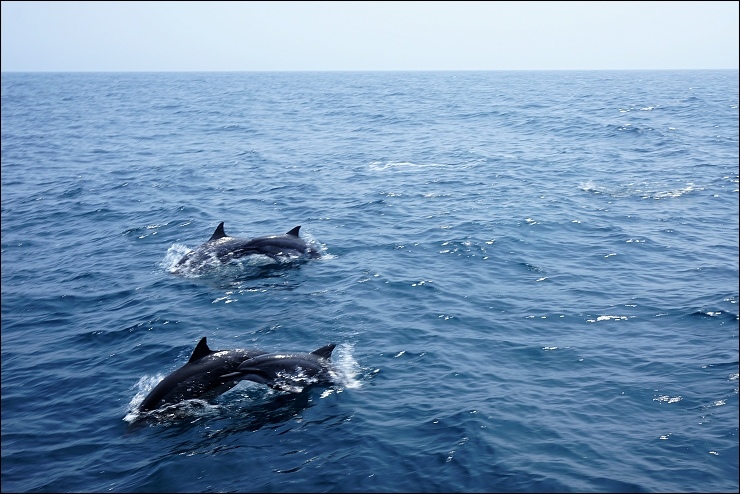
x=324 y=351
x=201 y=350
x=294 y=231
x=219 y=233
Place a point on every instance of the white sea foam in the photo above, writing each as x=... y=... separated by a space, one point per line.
x=402 y=165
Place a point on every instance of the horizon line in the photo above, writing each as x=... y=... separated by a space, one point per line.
x=353 y=70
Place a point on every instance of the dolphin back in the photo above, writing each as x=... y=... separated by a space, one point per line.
x=289 y=371
x=325 y=351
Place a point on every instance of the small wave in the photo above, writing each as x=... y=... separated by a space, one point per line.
x=173 y=255
x=347 y=369
x=608 y=318
x=187 y=409
x=466 y=248
x=144 y=231
x=143 y=387
x=718 y=314
x=672 y=193
x=643 y=191
x=313 y=243
x=405 y=165
x=667 y=399
x=632 y=129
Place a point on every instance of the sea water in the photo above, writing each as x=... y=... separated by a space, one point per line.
x=531 y=279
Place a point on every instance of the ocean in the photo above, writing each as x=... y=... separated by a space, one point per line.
x=531 y=279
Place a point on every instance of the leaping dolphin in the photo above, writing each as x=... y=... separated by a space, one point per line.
x=210 y=373
x=205 y=375
x=225 y=248
x=289 y=371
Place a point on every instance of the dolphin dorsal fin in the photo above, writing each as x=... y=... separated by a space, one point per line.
x=294 y=231
x=201 y=350
x=219 y=233
x=324 y=351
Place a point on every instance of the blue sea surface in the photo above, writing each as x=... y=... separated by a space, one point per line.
x=531 y=279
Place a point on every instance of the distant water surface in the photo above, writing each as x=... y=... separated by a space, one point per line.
x=531 y=279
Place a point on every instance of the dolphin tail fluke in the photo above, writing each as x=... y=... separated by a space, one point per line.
x=325 y=351
x=294 y=231
x=219 y=233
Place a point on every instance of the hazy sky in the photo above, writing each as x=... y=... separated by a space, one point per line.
x=277 y=35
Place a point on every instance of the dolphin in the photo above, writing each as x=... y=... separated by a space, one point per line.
x=205 y=375
x=288 y=371
x=225 y=248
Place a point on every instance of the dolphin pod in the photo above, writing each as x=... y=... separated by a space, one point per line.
x=224 y=248
x=209 y=373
